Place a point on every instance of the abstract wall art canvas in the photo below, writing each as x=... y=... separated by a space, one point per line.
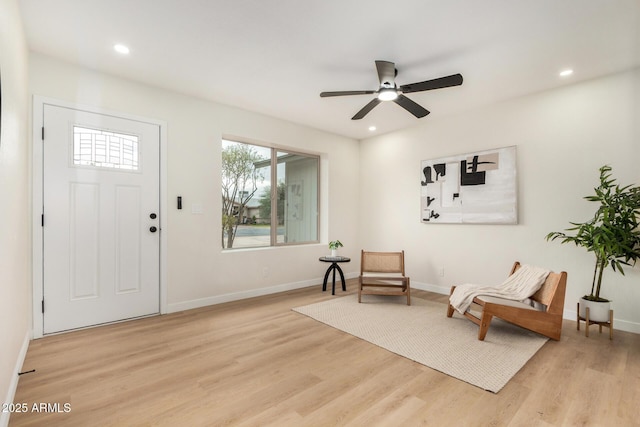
x=475 y=188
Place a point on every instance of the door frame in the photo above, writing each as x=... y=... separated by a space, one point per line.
x=37 y=189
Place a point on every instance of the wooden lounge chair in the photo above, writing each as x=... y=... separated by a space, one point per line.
x=382 y=273
x=546 y=320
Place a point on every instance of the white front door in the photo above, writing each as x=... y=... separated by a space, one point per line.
x=101 y=226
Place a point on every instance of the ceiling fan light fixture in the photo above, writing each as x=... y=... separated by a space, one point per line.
x=121 y=49
x=387 y=94
x=389 y=91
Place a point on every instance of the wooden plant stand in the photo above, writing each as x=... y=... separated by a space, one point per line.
x=588 y=322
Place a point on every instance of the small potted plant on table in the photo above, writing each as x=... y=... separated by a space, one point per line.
x=334 y=245
x=612 y=234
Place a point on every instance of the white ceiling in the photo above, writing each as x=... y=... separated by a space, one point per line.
x=276 y=56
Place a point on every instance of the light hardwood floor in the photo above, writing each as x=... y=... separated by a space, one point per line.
x=257 y=363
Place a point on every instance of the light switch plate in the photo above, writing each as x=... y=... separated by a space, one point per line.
x=196 y=208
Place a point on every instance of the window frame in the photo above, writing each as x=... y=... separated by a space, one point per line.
x=274 y=149
x=76 y=161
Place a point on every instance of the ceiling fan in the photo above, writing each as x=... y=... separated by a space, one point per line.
x=389 y=91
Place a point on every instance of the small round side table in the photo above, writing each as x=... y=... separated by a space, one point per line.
x=333 y=267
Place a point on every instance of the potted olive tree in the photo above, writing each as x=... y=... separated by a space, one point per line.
x=612 y=234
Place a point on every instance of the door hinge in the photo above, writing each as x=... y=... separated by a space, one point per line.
x=43 y=306
x=42 y=220
x=43 y=133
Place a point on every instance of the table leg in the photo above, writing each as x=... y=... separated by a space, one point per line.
x=333 y=285
x=324 y=282
x=344 y=287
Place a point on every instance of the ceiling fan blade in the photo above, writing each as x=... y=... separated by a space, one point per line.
x=411 y=106
x=386 y=73
x=347 y=92
x=442 y=82
x=365 y=110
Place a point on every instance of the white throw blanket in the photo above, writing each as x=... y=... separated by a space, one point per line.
x=519 y=286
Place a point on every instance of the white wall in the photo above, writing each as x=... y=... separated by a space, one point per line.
x=562 y=136
x=199 y=272
x=15 y=238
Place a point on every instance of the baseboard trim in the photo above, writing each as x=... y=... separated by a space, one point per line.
x=444 y=290
x=236 y=296
x=13 y=386
x=621 y=325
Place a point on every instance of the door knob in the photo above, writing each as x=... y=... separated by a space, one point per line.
x=153 y=216
x=153 y=229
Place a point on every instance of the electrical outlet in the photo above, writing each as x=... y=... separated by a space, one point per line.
x=265 y=272
x=441 y=271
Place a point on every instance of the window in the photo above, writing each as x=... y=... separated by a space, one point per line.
x=104 y=149
x=269 y=196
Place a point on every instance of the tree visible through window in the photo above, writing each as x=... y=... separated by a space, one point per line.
x=253 y=213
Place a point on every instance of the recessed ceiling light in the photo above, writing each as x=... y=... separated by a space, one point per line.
x=565 y=73
x=120 y=48
x=372 y=128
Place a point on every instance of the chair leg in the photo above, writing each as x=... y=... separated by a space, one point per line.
x=450 y=308
x=360 y=290
x=484 y=325
x=408 y=293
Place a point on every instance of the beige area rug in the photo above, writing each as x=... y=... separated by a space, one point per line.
x=422 y=332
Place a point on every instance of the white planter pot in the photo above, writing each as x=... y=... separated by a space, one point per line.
x=598 y=311
x=334 y=253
